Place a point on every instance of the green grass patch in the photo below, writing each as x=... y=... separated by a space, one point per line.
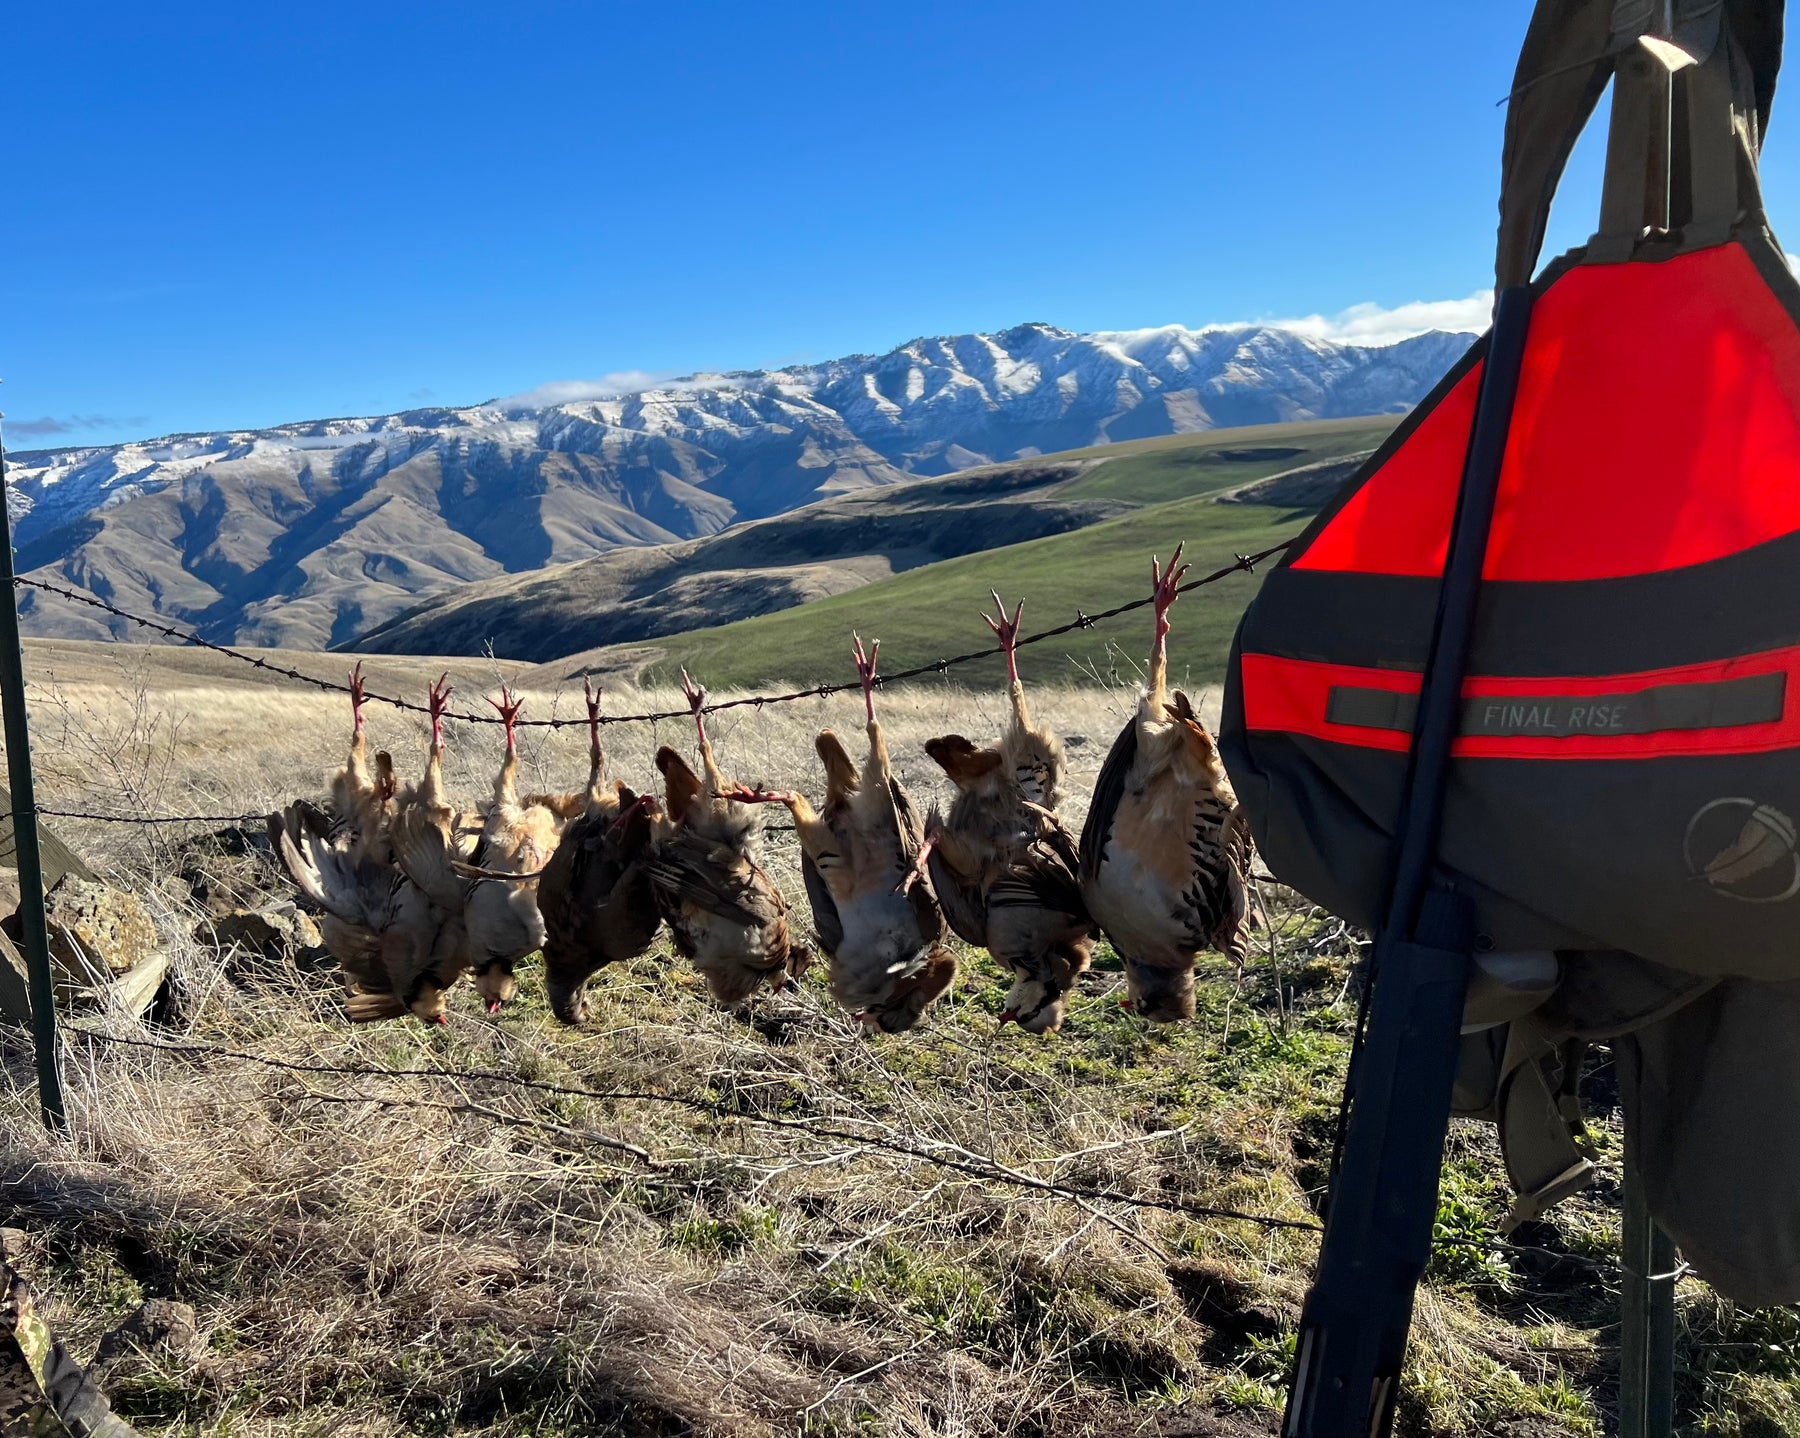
x=930 y=613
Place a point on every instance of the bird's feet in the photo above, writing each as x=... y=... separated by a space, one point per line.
x=436 y=703
x=1007 y=632
x=695 y=695
x=865 y=671
x=1165 y=586
x=357 y=696
x=509 y=706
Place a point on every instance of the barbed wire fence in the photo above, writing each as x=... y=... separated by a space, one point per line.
x=1241 y=564
x=866 y=1133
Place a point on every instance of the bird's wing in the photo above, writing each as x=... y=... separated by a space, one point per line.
x=1109 y=789
x=826 y=919
x=357 y=949
x=626 y=924
x=906 y=819
x=504 y=921
x=1044 y=877
x=326 y=873
x=1232 y=934
x=425 y=847
x=1057 y=841
x=688 y=869
x=963 y=903
x=423 y=941
x=911 y=831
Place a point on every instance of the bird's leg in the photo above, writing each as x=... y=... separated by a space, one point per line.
x=509 y=707
x=357 y=768
x=1165 y=586
x=357 y=696
x=696 y=698
x=437 y=702
x=865 y=671
x=808 y=827
x=1007 y=631
x=933 y=834
x=879 y=769
x=596 y=759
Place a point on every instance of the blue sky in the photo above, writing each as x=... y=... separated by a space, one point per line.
x=233 y=216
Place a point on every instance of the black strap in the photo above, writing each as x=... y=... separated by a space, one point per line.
x=1688 y=175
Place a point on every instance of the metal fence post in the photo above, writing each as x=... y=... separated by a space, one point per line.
x=35 y=927
x=1646 y=1317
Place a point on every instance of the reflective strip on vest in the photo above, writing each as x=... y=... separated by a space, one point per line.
x=1734 y=706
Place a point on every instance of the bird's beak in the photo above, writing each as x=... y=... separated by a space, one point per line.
x=1129 y=1005
x=1010 y=1016
x=493 y=1006
x=443 y=1020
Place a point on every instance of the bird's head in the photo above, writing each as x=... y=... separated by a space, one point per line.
x=387 y=783
x=495 y=982
x=428 y=1004
x=680 y=783
x=1035 y=1006
x=568 y=998
x=905 y=1002
x=968 y=766
x=1160 y=995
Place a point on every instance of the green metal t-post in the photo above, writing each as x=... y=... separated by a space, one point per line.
x=36 y=928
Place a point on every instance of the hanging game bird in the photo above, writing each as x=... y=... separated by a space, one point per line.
x=1001 y=864
x=724 y=911
x=1166 y=850
x=397 y=952
x=491 y=886
x=888 y=958
x=595 y=894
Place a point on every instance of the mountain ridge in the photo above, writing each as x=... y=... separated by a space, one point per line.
x=310 y=533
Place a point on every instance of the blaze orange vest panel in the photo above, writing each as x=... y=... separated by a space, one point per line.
x=1628 y=766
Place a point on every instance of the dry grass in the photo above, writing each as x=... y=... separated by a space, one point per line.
x=394 y=1256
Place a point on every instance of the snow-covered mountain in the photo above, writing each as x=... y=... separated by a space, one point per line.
x=308 y=534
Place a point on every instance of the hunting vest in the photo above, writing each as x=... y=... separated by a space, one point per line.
x=1623 y=800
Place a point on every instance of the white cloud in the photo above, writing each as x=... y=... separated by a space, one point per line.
x=575 y=391
x=1372 y=324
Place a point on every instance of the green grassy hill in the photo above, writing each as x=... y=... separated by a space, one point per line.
x=933 y=611
x=1178 y=466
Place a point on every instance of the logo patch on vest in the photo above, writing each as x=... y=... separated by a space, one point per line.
x=1744 y=850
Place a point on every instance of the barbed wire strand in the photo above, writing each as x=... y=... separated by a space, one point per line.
x=958 y=1160
x=1241 y=564
x=976 y=1164
x=14 y=815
